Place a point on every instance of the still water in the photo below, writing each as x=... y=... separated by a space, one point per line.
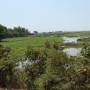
x=70 y=39
x=71 y=51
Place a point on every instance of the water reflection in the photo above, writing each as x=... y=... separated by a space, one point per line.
x=72 y=51
x=21 y=64
x=70 y=39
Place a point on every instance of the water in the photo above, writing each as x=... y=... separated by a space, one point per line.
x=21 y=64
x=70 y=39
x=72 y=51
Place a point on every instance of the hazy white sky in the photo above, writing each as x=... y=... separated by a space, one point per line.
x=46 y=15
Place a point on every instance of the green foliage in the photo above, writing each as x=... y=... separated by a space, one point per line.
x=48 y=62
x=3 y=30
x=37 y=66
x=6 y=67
x=47 y=44
x=63 y=73
x=86 y=51
x=4 y=55
x=47 y=67
x=56 y=45
x=20 y=31
x=19 y=45
x=15 y=32
x=8 y=76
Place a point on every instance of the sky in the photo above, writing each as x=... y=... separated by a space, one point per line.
x=46 y=15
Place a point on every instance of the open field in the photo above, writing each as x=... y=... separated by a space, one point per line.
x=19 y=45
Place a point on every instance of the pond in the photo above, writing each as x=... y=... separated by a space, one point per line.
x=21 y=64
x=72 y=51
x=70 y=39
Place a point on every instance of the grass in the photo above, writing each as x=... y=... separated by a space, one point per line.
x=78 y=46
x=77 y=34
x=19 y=45
x=85 y=40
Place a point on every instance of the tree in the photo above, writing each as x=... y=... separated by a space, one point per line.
x=3 y=31
x=20 y=31
x=15 y=32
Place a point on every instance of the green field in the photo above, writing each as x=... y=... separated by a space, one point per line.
x=19 y=45
x=45 y=66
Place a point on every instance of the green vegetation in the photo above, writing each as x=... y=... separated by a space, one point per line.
x=85 y=40
x=77 y=34
x=50 y=69
x=38 y=62
x=15 y=32
x=8 y=72
x=19 y=45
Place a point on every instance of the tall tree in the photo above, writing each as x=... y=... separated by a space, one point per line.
x=3 y=31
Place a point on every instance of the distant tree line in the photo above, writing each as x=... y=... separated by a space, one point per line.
x=15 y=32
